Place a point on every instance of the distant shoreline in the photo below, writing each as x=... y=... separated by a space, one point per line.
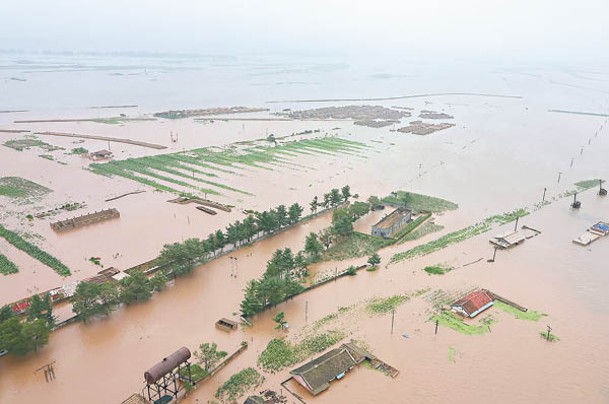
x=562 y=111
x=399 y=97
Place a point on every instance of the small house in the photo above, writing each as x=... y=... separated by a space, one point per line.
x=474 y=303
x=316 y=375
x=391 y=223
x=101 y=155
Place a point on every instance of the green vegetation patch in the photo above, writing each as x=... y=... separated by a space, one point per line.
x=587 y=184
x=452 y=354
x=280 y=353
x=419 y=203
x=454 y=321
x=7 y=266
x=530 y=315
x=436 y=270
x=354 y=246
x=238 y=385
x=459 y=235
x=28 y=143
x=33 y=251
x=79 y=150
x=383 y=305
x=17 y=187
x=551 y=338
x=426 y=228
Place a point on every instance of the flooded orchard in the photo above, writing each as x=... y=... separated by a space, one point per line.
x=501 y=155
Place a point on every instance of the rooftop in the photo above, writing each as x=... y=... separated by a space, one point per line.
x=475 y=301
x=392 y=218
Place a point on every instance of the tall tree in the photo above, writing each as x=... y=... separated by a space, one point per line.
x=135 y=288
x=22 y=338
x=220 y=240
x=294 y=213
x=346 y=192
x=91 y=299
x=335 y=197
x=342 y=222
x=326 y=237
x=312 y=246
x=282 y=215
x=6 y=313
x=41 y=308
x=314 y=205
x=208 y=355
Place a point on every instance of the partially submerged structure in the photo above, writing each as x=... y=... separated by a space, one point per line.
x=596 y=231
x=226 y=324
x=474 y=303
x=316 y=375
x=85 y=220
x=101 y=155
x=508 y=239
x=391 y=223
x=164 y=379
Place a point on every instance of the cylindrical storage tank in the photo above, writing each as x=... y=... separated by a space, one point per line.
x=167 y=365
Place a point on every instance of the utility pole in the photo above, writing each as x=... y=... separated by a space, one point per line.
x=392 y=320
x=559 y=174
x=437 y=322
x=543 y=199
x=516 y=224
x=494 y=255
x=572 y=158
x=548 y=336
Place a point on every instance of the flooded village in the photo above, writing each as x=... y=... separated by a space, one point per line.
x=322 y=250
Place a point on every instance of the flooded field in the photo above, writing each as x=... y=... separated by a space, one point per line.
x=500 y=156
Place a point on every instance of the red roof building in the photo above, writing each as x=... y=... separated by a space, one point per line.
x=474 y=303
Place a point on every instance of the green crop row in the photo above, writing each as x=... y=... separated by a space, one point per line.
x=7 y=266
x=33 y=251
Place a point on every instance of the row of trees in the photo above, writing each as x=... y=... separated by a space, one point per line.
x=332 y=199
x=22 y=337
x=279 y=282
x=181 y=258
x=94 y=299
x=285 y=269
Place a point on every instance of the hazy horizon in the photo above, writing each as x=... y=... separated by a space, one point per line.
x=516 y=32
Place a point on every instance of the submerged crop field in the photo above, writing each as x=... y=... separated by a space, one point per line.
x=33 y=251
x=202 y=170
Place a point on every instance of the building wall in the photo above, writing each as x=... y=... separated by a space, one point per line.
x=388 y=232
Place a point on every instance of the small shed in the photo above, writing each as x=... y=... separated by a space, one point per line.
x=474 y=303
x=101 y=155
x=391 y=223
x=509 y=239
x=600 y=228
x=226 y=324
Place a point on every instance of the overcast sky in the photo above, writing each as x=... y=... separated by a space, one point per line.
x=554 y=30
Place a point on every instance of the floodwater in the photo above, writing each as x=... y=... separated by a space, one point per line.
x=500 y=156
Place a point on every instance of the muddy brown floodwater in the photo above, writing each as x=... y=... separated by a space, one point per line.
x=498 y=157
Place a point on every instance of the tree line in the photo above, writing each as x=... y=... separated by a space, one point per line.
x=285 y=271
x=181 y=258
x=20 y=337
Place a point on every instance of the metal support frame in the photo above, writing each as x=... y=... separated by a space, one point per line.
x=171 y=383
